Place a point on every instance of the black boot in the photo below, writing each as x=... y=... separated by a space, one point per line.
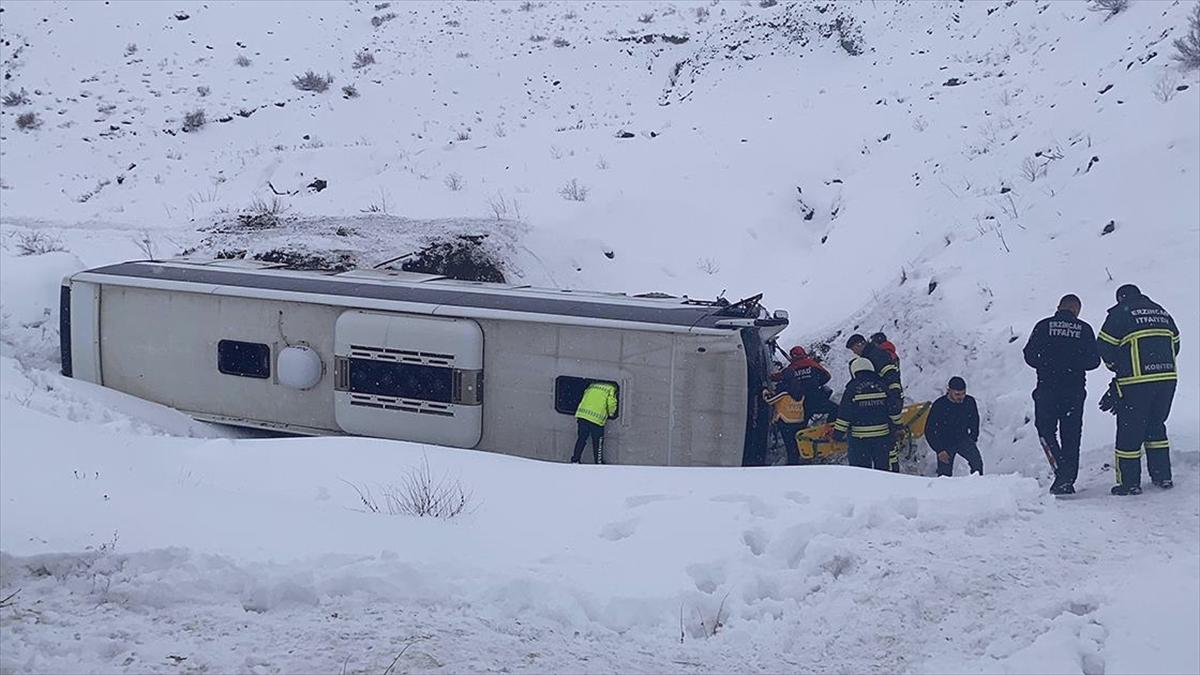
x=1064 y=489
x=1165 y=484
x=1125 y=490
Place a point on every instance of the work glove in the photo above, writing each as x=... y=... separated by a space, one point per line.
x=1111 y=398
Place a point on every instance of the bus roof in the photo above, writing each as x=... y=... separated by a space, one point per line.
x=429 y=289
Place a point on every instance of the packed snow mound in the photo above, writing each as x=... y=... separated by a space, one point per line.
x=475 y=249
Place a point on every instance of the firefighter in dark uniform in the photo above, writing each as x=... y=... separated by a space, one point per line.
x=889 y=375
x=865 y=419
x=881 y=340
x=1139 y=342
x=1062 y=348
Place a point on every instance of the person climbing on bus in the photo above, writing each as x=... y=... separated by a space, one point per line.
x=807 y=379
x=802 y=365
x=598 y=405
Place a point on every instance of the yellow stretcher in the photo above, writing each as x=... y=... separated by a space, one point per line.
x=818 y=447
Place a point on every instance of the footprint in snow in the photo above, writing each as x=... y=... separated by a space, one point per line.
x=756 y=540
x=621 y=529
x=756 y=506
x=1078 y=607
x=708 y=577
x=641 y=500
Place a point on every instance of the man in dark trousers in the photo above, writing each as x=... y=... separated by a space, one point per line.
x=864 y=418
x=596 y=408
x=1062 y=348
x=953 y=428
x=889 y=374
x=1139 y=342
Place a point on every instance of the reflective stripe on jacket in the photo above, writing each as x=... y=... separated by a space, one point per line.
x=865 y=411
x=598 y=404
x=1139 y=342
x=888 y=371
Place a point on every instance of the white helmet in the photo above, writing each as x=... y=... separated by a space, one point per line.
x=859 y=364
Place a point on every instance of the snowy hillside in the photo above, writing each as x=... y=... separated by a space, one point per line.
x=940 y=171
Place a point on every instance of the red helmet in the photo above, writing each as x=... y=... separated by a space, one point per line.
x=797 y=352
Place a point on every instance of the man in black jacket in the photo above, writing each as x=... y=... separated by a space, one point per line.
x=864 y=418
x=1139 y=342
x=1062 y=348
x=953 y=428
x=889 y=375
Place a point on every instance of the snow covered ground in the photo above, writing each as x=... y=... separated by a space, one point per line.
x=975 y=162
x=163 y=554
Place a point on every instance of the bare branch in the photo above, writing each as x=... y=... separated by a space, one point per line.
x=9 y=600
x=407 y=643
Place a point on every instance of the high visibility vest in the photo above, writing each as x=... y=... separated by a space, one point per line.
x=786 y=408
x=598 y=404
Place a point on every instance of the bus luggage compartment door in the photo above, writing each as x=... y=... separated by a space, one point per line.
x=409 y=377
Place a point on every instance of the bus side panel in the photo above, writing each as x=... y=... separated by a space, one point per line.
x=522 y=362
x=709 y=400
x=163 y=346
x=84 y=318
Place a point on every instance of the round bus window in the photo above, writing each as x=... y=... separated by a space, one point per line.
x=299 y=367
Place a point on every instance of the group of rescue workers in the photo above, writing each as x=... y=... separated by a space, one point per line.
x=1138 y=343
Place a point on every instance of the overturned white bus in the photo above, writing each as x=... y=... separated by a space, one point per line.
x=424 y=358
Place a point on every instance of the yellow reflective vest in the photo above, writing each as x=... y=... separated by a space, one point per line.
x=785 y=408
x=598 y=404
